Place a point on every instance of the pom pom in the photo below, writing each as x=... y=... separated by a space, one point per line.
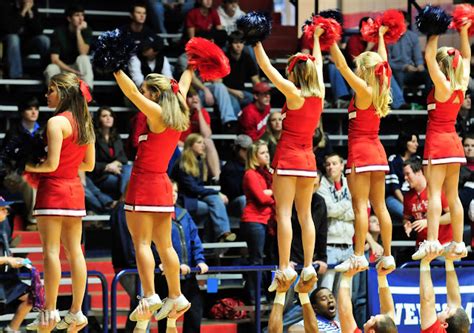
x=461 y=14
x=334 y=14
x=395 y=22
x=22 y=149
x=332 y=32
x=256 y=27
x=432 y=20
x=370 y=30
x=112 y=51
x=207 y=58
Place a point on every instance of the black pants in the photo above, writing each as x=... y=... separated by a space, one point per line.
x=190 y=289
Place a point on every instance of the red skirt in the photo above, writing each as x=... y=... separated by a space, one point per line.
x=443 y=148
x=149 y=193
x=366 y=155
x=295 y=160
x=60 y=197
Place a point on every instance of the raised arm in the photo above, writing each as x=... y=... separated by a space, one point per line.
x=381 y=50
x=185 y=81
x=465 y=52
x=439 y=79
x=344 y=303
x=303 y=289
x=318 y=57
x=145 y=105
x=285 y=86
x=427 y=294
x=385 y=296
x=452 y=285
x=355 y=82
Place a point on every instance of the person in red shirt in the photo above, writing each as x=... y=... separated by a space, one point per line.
x=253 y=120
x=415 y=204
x=200 y=122
x=453 y=319
x=203 y=17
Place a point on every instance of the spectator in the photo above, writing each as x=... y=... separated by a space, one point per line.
x=259 y=206
x=21 y=29
x=150 y=59
x=204 y=17
x=407 y=146
x=415 y=205
x=16 y=293
x=70 y=47
x=273 y=131
x=325 y=308
x=229 y=12
x=172 y=8
x=466 y=182
x=320 y=219
x=97 y=202
x=465 y=119
x=322 y=146
x=200 y=122
x=468 y=144
x=111 y=172
x=254 y=117
x=242 y=69
x=374 y=231
x=187 y=244
x=29 y=131
x=406 y=60
x=136 y=29
x=335 y=191
x=191 y=173
x=233 y=174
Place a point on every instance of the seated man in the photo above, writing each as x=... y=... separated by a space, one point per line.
x=70 y=47
x=254 y=117
x=453 y=319
x=383 y=322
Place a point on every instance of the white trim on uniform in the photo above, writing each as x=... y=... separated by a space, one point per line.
x=431 y=106
x=445 y=160
x=368 y=168
x=296 y=173
x=143 y=137
x=149 y=209
x=60 y=212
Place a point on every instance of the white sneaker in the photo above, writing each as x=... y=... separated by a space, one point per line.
x=290 y=275
x=455 y=250
x=154 y=304
x=425 y=247
x=307 y=273
x=386 y=262
x=181 y=303
x=77 y=318
x=354 y=261
x=35 y=324
x=8 y=329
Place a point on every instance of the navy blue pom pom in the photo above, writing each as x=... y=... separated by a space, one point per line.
x=334 y=14
x=433 y=20
x=112 y=51
x=256 y=26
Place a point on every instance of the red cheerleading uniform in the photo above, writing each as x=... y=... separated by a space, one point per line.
x=150 y=189
x=294 y=152
x=366 y=152
x=60 y=193
x=442 y=144
x=435 y=328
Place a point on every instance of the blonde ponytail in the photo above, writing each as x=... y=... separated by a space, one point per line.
x=446 y=57
x=305 y=76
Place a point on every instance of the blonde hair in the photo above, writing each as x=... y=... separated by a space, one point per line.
x=269 y=130
x=455 y=76
x=189 y=163
x=252 y=152
x=381 y=95
x=71 y=99
x=175 y=112
x=305 y=77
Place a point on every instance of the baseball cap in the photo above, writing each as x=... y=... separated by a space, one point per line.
x=243 y=141
x=261 y=87
x=4 y=203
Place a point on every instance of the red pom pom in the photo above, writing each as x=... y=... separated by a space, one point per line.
x=461 y=14
x=31 y=178
x=332 y=32
x=395 y=22
x=207 y=58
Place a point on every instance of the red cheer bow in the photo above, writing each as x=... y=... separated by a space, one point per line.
x=456 y=54
x=85 y=91
x=174 y=86
x=383 y=69
x=299 y=57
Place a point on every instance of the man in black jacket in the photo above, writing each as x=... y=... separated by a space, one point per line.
x=21 y=29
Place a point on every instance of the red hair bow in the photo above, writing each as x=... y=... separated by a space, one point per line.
x=85 y=91
x=383 y=69
x=456 y=54
x=299 y=57
x=174 y=86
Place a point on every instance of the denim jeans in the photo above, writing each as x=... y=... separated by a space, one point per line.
x=397 y=94
x=236 y=206
x=157 y=13
x=213 y=206
x=39 y=43
x=95 y=199
x=115 y=184
x=336 y=255
x=395 y=208
x=238 y=104
x=413 y=79
x=223 y=101
x=254 y=234
x=338 y=84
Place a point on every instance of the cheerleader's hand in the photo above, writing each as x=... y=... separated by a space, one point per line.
x=382 y=30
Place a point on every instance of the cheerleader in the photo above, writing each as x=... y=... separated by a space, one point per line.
x=149 y=198
x=294 y=162
x=449 y=70
x=60 y=202
x=367 y=162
